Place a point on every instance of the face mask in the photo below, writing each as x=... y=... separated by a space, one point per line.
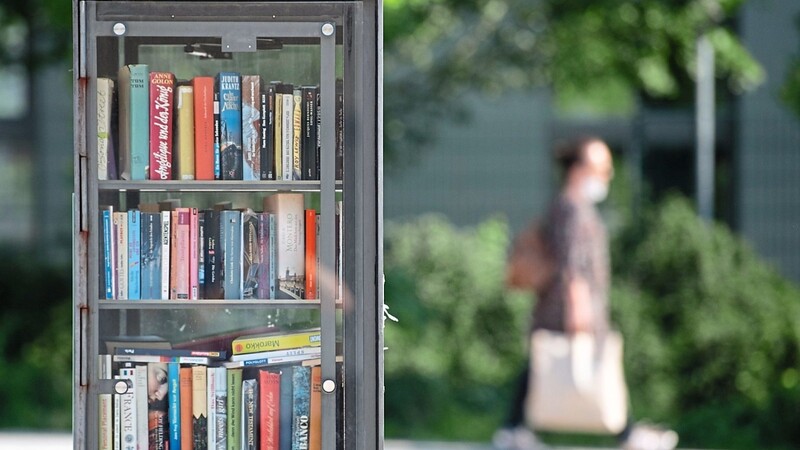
x=595 y=190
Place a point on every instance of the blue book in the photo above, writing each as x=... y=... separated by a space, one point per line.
x=229 y=85
x=134 y=258
x=251 y=255
x=108 y=254
x=134 y=106
x=264 y=256
x=231 y=228
x=151 y=255
x=174 y=404
x=301 y=410
x=286 y=408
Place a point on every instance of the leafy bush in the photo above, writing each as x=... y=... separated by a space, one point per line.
x=712 y=337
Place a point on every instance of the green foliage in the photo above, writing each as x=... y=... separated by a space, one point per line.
x=712 y=338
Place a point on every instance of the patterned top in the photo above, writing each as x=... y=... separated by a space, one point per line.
x=576 y=238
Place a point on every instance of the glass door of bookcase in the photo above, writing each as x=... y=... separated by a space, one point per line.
x=215 y=193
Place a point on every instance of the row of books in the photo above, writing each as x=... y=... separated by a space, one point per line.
x=166 y=252
x=182 y=399
x=227 y=127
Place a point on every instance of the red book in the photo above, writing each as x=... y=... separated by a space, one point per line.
x=185 y=383
x=269 y=397
x=194 y=251
x=162 y=110
x=311 y=254
x=203 y=127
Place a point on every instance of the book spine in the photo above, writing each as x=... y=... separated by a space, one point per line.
x=290 y=246
x=185 y=380
x=217 y=134
x=105 y=93
x=251 y=127
x=277 y=137
x=183 y=250
x=339 y=172
x=162 y=95
x=286 y=408
x=201 y=254
x=140 y=392
x=199 y=408
x=211 y=380
x=234 y=408
x=150 y=255
x=250 y=413
x=215 y=354
x=263 y=254
x=211 y=258
x=273 y=258
x=139 y=116
x=231 y=227
x=275 y=360
x=121 y=239
x=309 y=145
x=250 y=255
x=157 y=423
x=166 y=246
x=106 y=408
x=315 y=410
x=185 y=159
x=128 y=411
x=230 y=116
x=268 y=132
x=109 y=258
x=300 y=351
x=269 y=405
x=162 y=358
x=311 y=253
x=287 y=131
x=301 y=396
x=117 y=441
x=318 y=231
x=297 y=134
x=277 y=342
x=134 y=258
x=221 y=409
x=174 y=404
x=193 y=254
x=203 y=127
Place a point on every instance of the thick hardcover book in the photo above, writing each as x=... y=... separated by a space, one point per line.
x=251 y=255
x=158 y=422
x=275 y=341
x=301 y=396
x=182 y=247
x=308 y=149
x=109 y=252
x=134 y=113
x=250 y=413
x=277 y=138
x=251 y=127
x=268 y=132
x=263 y=277
x=311 y=253
x=269 y=385
x=121 y=239
x=286 y=408
x=230 y=117
x=162 y=111
x=315 y=410
x=185 y=381
x=134 y=256
x=174 y=404
x=231 y=228
x=297 y=134
x=234 y=408
x=128 y=410
x=184 y=142
x=106 y=408
x=194 y=248
x=199 y=408
x=151 y=255
x=203 y=127
x=211 y=256
x=288 y=209
x=287 y=130
x=339 y=129
x=105 y=98
x=166 y=250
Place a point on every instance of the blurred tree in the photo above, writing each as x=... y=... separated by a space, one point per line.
x=33 y=32
x=436 y=51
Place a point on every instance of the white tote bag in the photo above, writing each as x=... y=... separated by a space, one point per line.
x=576 y=383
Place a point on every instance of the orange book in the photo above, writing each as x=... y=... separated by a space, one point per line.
x=315 y=410
x=186 y=408
x=311 y=254
x=203 y=127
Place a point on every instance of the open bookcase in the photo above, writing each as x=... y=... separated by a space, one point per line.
x=228 y=225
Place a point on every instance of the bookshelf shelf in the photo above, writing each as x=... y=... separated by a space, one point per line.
x=284 y=98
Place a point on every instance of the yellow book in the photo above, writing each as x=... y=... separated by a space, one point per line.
x=185 y=142
x=265 y=342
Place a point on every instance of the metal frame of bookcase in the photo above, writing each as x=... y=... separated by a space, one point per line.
x=358 y=24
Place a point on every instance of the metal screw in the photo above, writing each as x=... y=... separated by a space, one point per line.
x=328 y=29
x=328 y=386
x=119 y=28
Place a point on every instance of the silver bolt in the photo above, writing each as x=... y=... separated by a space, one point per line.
x=119 y=28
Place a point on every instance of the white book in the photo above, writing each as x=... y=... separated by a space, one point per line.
x=221 y=409
x=290 y=250
x=211 y=382
x=166 y=217
x=105 y=93
x=287 y=138
x=106 y=425
x=128 y=411
x=302 y=351
x=121 y=239
x=140 y=393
